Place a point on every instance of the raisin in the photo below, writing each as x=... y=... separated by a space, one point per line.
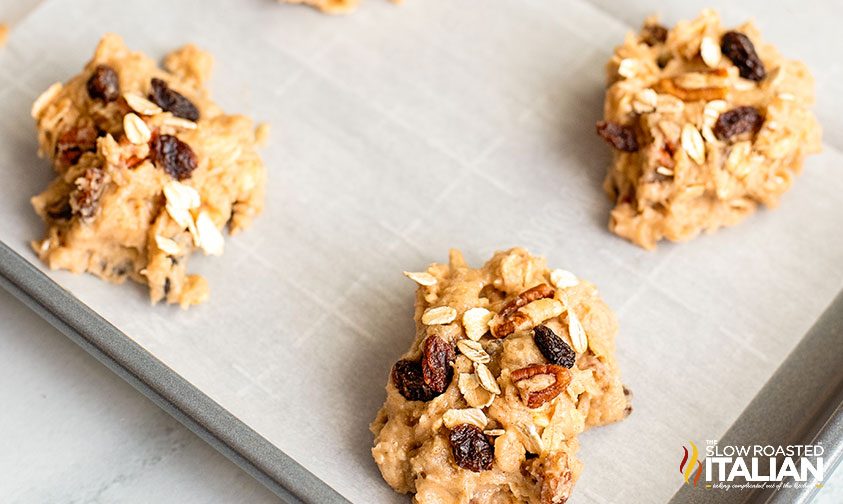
x=737 y=47
x=104 y=84
x=653 y=34
x=75 y=142
x=618 y=136
x=436 y=363
x=554 y=348
x=736 y=121
x=173 y=156
x=173 y=101
x=472 y=449
x=407 y=378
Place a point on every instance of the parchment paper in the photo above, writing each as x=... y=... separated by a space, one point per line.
x=399 y=132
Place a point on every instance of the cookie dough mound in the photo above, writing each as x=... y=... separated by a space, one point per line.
x=331 y=6
x=149 y=169
x=510 y=362
x=328 y=6
x=706 y=123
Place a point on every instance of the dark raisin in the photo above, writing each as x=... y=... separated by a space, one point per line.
x=436 y=363
x=554 y=348
x=173 y=101
x=737 y=47
x=75 y=142
x=736 y=121
x=173 y=156
x=104 y=84
x=653 y=34
x=407 y=378
x=618 y=136
x=472 y=449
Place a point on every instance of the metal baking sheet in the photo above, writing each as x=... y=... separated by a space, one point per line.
x=399 y=132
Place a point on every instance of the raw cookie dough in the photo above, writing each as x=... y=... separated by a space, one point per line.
x=706 y=124
x=510 y=362
x=331 y=6
x=149 y=169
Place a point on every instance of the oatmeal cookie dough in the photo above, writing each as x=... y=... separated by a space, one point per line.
x=510 y=362
x=706 y=123
x=331 y=6
x=148 y=168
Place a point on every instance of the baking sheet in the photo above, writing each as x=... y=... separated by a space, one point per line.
x=401 y=131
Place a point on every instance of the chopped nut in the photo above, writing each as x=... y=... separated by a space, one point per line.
x=421 y=278
x=141 y=105
x=210 y=239
x=710 y=52
x=439 y=315
x=535 y=398
x=473 y=350
x=693 y=144
x=470 y=416
x=486 y=378
x=167 y=245
x=510 y=319
x=674 y=86
x=562 y=279
x=579 y=340
x=494 y=432
x=476 y=322
x=46 y=97
x=136 y=129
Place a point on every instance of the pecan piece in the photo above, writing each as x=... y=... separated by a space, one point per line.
x=618 y=136
x=672 y=86
x=471 y=448
x=540 y=291
x=436 y=363
x=510 y=319
x=75 y=142
x=104 y=84
x=737 y=47
x=535 y=398
x=736 y=121
x=406 y=376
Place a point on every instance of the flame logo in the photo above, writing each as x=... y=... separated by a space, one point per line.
x=686 y=469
